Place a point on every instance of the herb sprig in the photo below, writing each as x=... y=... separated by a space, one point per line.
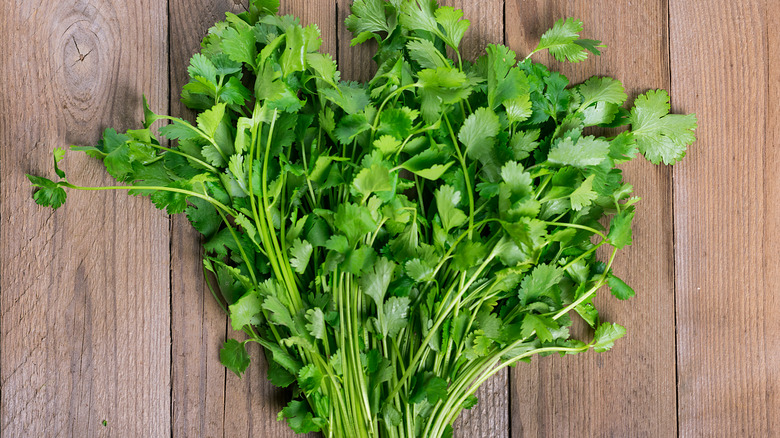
x=392 y=245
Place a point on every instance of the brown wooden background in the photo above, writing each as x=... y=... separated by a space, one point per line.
x=103 y=314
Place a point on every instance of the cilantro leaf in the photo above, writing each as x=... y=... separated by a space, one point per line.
x=354 y=221
x=539 y=325
x=660 y=136
x=606 y=335
x=439 y=87
x=561 y=41
x=587 y=151
x=371 y=180
x=233 y=355
x=506 y=82
x=309 y=378
x=300 y=253
x=278 y=312
x=49 y=193
x=245 y=311
x=619 y=288
x=583 y=195
x=478 y=134
x=396 y=311
x=375 y=282
x=349 y=96
x=238 y=41
x=350 y=127
x=367 y=16
x=316 y=323
x=426 y=54
x=602 y=89
x=539 y=282
x=300 y=418
x=419 y=15
x=450 y=20
x=620 y=228
x=428 y=386
x=447 y=200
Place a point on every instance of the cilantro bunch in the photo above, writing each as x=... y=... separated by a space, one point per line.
x=392 y=245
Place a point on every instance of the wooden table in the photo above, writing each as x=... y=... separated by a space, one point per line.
x=106 y=327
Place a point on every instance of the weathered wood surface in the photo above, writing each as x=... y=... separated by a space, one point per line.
x=85 y=299
x=727 y=239
x=95 y=325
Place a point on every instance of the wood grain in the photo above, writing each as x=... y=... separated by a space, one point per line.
x=84 y=291
x=629 y=391
x=727 y=235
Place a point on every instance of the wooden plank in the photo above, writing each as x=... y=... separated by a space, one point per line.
x=726 y=227
x=252 y=403
x=198 y=325
x=490 y=417
x=84 y=301
x=771 y=216
x=629 y=391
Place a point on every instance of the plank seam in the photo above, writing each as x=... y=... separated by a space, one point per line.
x=674 y=235
x=764 y=155
x=171 y=225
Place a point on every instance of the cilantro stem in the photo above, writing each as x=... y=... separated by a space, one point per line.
x=442 y=316
x=213 y=292
x=542 y=186
x=187 y=156
x=384 y=102
x=281 y=269
x=465 y=168
x=196 y=130
x=583 y=255
x=213 y=201
x=602 y=281
x=446 y=415
x=577 y=226
x=531 y=54
x=249 y=266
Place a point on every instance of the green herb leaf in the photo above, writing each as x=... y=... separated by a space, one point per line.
x=619 y=288
x=606 y=335
x=660 y=136
x=234 y=357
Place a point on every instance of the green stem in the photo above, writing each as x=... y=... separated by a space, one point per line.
x=384 y=102
x=579 y=227
x=196 y=130
x=602 y=281
x=213 y=201
x=187 y=156
x=432 y=330
x=585 y=254
x=465 y=168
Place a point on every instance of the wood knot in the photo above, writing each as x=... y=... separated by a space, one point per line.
x=79 y=61
x=82 y=72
